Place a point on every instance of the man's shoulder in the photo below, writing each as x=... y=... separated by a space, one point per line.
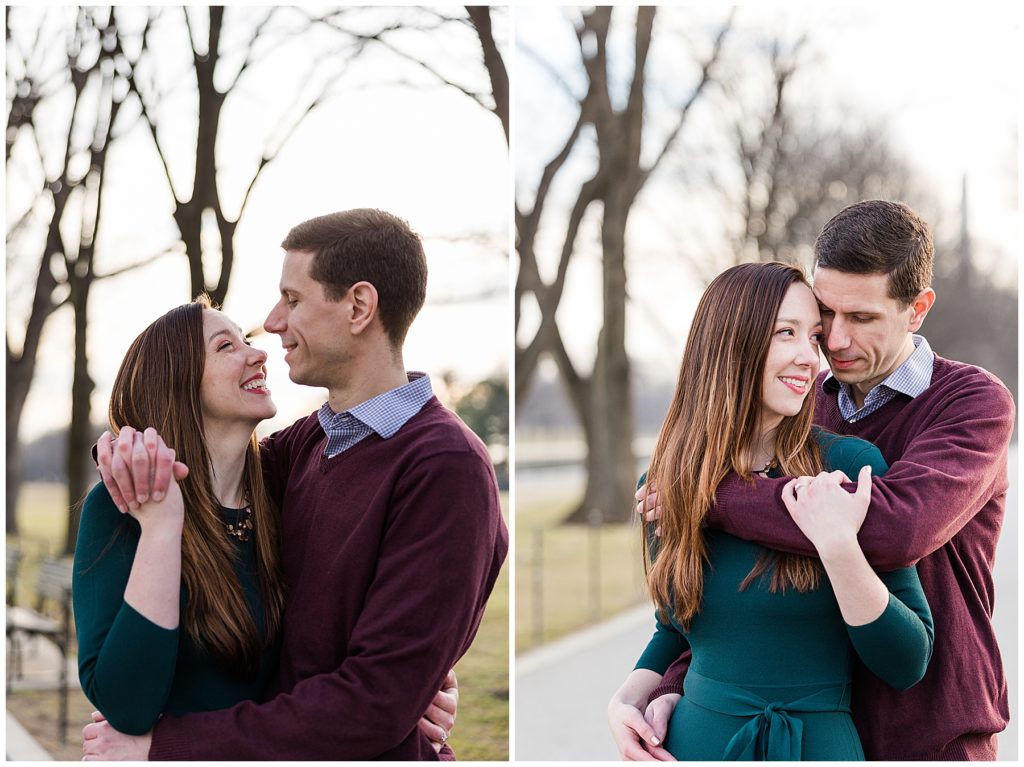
x=437 y=429
x=952 y=372
x=961 y=384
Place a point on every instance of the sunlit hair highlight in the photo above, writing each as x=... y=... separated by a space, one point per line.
x=714 y=416
x=158 y=385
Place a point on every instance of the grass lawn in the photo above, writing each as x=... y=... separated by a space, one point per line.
x=585 y=574
x=482 y=729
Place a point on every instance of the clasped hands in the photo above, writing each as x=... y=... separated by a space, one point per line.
x=137 y=467
x=826 y=513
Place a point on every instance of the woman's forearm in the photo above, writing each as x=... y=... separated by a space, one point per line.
x=637 y=688
x=861 y=595
x=154 y=584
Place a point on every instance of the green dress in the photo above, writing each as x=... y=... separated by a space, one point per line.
x=130 y=668
x=770 y=673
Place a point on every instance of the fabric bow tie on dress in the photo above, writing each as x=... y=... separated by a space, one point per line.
x=771 y=734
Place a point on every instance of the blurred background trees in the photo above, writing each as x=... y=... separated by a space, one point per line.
x=79 y=80
x=758 y=158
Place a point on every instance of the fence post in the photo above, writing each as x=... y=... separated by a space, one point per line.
x=538 y=585
x=594 y=519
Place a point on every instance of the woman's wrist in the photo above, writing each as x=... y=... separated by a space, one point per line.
x=162 y=527
x=839 y=549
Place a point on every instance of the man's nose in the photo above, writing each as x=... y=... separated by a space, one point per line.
x=837 y=336
x=274 y=323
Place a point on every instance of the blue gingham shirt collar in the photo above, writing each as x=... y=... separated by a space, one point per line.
x=384 y=414
x=911 y=378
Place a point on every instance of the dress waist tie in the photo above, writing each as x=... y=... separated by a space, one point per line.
x=771 y=734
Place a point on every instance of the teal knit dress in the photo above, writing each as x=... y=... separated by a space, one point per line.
x=770 y=673
x=130 y=668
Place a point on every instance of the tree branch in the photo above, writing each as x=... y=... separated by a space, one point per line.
x=705 y=79
x=480 y=15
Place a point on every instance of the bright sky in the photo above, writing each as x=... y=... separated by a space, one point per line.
x=943 y=79
x=426 y=153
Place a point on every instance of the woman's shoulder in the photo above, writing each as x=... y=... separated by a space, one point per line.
x=848 y=454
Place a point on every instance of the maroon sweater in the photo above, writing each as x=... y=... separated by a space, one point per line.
x=940 y=505
x=389 y=552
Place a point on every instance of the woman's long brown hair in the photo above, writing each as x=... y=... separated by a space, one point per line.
x=158 y=385
x=713 y=418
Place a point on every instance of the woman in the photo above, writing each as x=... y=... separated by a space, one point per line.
x=770 y=632
x=178 y=604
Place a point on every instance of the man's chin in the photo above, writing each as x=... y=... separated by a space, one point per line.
x=301 y=378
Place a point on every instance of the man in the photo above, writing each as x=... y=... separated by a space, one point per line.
x=944 y=428
x=391 y=537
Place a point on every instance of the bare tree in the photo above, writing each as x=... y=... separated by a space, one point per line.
x=786 y=171
x=70 y=203
x=601 y=399
x=479 y=18
x=110 y=62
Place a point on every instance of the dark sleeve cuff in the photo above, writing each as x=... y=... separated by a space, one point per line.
x=167 y=744
x=664 y=689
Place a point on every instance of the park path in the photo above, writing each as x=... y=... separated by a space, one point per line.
x=562 y=688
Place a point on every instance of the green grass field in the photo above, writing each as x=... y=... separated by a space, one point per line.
x=586 y=574
x=482 y=729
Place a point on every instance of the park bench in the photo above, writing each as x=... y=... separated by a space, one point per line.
x=53 y=585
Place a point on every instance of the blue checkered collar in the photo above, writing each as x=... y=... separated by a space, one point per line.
x=386 y=413
x=910 y=378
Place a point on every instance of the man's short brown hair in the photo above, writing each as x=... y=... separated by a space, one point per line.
x=365 y=244
x=879 y=237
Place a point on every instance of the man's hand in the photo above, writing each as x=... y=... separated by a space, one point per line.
x=102 y=743
x=136 y=467
x=439 y=719
x=659 y=712
x=647 y=504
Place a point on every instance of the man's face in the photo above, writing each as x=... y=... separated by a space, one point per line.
x=312 y=329
x=866 y=331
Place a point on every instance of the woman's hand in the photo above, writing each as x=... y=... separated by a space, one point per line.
x=634 y=736
x=167 y=515
x=827 y=514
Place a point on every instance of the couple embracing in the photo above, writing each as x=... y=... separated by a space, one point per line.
x=306 y=596
x=800 y=617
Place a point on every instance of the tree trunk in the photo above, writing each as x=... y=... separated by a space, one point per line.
x=611 y=466
x=21 y=369
x=13 y=476
x=80 y=468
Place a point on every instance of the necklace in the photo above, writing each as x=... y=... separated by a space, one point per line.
x=763 y=471
x=244 y=527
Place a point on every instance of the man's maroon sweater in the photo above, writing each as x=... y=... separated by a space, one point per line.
x=389 y=552
x=940 y=505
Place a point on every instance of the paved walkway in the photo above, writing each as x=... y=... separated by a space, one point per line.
x=562 y=689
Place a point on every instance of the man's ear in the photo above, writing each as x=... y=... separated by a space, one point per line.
x=920 y=307
x=363 y=297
